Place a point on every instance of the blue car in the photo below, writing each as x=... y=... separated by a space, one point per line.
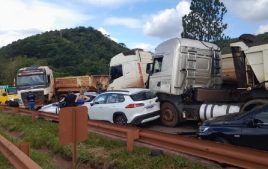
x=245 y=129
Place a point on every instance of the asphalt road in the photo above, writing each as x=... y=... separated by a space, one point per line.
x=186 y=128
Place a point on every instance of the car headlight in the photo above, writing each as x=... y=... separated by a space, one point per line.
x=203 y=129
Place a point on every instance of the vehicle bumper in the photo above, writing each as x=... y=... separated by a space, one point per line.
x=146 y=117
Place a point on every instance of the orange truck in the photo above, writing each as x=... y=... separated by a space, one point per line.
x=95 y=83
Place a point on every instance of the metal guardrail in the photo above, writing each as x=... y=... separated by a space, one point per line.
x=237 y=156
x=16 y=157
x=229 y=154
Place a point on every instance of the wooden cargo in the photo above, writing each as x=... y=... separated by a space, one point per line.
x=228 y=70
x=76 y=83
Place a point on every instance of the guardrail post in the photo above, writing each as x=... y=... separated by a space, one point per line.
x=24 y=147
x=132 y=135
x=35 y=115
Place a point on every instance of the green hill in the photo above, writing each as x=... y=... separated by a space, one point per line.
x=225 y=44
x=76 y=51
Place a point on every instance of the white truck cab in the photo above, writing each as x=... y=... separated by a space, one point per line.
x=180 y=64
x=128 y=69
x=39 y=80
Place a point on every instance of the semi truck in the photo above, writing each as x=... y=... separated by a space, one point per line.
x=46 y=88
x=193 y=81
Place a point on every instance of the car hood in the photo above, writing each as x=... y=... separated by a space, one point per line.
x=50 y=108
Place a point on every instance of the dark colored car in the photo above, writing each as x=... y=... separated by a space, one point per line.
x=244 y=129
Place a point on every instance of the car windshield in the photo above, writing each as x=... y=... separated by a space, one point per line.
x=144 y=95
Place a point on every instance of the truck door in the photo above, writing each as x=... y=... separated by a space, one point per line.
x=159 y=81
x=131 y=78
x=96 y=111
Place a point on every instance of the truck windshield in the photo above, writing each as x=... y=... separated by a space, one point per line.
x=30 y=80
x=115 y=72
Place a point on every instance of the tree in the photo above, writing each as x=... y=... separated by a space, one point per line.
x=205 y=21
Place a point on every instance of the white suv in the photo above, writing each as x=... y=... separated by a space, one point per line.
x=130 y=105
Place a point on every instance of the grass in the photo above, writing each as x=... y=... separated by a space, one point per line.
x=96 y=152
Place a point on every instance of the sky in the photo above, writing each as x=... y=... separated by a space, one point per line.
x=136 y=23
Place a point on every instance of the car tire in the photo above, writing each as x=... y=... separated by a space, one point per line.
x=221 y=140
x=169 y=115
x=120 y=119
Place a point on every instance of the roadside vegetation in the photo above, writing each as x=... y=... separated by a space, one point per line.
x=97 y=152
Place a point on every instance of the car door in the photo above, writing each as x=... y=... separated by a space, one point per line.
x=115 y=103
x=96 y=111
x=256 y=134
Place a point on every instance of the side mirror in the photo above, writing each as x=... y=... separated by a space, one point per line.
x=149 y=68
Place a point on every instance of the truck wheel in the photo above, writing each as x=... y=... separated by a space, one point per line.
x=169 y=115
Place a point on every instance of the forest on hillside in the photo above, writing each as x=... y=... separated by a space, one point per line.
x=76 y=51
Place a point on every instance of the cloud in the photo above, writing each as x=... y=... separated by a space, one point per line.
x=167 y=23
x=111 y=3
x=127 y=22
x=262 y=29
x=250 y=10
x=20 y=18
x=144 y=46
x=107 y=34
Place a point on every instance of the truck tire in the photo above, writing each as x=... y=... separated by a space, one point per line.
x=169 y=115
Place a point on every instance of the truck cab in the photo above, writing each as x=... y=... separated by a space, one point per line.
x=179 y=64
x=128 y=69
x=180 y=68
x=39 y=80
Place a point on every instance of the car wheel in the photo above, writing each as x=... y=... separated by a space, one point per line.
x=120 y=119
x=221 y=140
x=169 y=115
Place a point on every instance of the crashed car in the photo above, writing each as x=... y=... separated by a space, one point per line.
x=133 y=105
x=245 y=129
x=124 y=106
x=55 y=107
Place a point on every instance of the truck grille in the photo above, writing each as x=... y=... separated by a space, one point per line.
x=39 y=97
